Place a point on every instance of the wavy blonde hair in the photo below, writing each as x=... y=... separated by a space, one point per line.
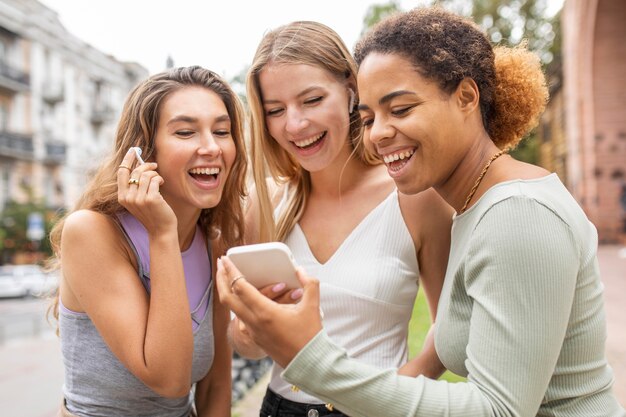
x=302 y=42
x=137 y=127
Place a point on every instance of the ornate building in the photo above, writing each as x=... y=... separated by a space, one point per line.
x=59 y=103
x=585 y=124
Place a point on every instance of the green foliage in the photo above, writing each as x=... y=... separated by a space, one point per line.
x=377 y=12
x=418 y=328
x=14 y=224
x=506 y=22
x=527 y=150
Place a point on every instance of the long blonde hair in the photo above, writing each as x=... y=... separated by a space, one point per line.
x=303 y=42
x=137 y=127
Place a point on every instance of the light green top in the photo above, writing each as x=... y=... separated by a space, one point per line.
x=521 y=316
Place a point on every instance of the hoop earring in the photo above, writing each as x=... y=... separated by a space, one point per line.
x=352 y=98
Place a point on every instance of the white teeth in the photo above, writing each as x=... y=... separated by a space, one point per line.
x=397 y=156
x=205 y=171
x=307 y=142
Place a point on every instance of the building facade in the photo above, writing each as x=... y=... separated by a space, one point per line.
x=60 y=99
x=594 y=102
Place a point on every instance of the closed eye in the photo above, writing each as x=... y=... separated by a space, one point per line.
x=367 y=122
x=184 y=133
x=274 y=112
x=222 y=133
x=313 y=100
x=400 y=111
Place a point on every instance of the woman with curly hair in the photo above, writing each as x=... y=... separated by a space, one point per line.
x=138 y=320
x=521 y=312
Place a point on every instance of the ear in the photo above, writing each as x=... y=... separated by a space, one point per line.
x=467 y=95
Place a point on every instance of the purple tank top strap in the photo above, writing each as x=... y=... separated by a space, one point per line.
x=196 y=263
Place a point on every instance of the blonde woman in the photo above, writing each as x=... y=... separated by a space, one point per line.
x=330 y=200
x=138 y=319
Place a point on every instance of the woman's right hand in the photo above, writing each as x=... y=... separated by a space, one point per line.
x=241 y=338
x=138 y=192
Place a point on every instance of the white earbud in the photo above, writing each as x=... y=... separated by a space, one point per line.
x=352 y=98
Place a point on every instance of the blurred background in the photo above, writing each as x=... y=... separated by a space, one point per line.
x=66 y=67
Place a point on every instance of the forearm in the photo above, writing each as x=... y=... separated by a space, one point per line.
x=427 y=362
x=168 y=346
x=214 y=391
x=324 y=370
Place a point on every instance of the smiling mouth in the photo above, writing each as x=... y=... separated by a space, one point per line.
x=396 y=161
x=205 y=174
x=310 y=142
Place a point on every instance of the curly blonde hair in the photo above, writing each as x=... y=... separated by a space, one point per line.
x=448 y=48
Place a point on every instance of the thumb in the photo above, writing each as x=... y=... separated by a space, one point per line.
x=311 y=287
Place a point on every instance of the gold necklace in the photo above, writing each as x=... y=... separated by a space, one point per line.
x=479 y=179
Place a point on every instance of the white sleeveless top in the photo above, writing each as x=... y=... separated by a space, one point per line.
x=368 y=288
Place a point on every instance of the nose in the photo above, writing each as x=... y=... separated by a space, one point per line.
x=379 y=131
x=296 y=121
x=209 y=146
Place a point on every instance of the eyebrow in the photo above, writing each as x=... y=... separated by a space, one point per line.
x=188 y=119
x=388 y=97
x=300 y=94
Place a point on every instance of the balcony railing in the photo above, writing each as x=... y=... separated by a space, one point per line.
x=16 y=145
x=53 y=92
x=101 y=114
x=13 y=79
x=56 y=152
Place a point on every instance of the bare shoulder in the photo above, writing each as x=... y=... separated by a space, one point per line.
x=427 y=216
x=425 y=205
x=87 y=222
x=98 y=235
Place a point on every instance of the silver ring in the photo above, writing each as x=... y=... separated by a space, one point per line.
x=134 y=181
x=234 y=280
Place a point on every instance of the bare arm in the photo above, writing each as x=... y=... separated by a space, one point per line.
x=152 y=336
x=429 y=219
x=214 y=391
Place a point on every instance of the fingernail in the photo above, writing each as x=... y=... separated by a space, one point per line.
x=219 y=262
x=278 y=287
x=297 y=294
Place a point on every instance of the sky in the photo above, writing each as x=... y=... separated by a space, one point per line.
x=219 y=35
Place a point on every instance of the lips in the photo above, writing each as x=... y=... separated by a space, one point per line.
x=206 y=175
x=309 y=142
x=395 y=161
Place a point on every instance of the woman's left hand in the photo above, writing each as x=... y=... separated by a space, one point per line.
x=276 y=328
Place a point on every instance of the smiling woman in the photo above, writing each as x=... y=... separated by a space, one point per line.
x=138 y=323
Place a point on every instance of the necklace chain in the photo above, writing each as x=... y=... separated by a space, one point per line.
x=479 y=179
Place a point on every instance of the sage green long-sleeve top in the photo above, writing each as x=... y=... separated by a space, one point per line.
x=521 y=316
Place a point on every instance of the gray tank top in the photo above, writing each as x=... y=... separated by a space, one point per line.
x=98 y=384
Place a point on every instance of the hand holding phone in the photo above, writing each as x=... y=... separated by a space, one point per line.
x=263 y=264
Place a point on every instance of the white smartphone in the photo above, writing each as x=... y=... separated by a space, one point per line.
x=265 y=263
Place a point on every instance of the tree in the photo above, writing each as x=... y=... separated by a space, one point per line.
x=14 y=226
x=377 y=12
x=507 y=22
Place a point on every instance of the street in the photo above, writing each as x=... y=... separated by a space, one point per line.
x=31 y=372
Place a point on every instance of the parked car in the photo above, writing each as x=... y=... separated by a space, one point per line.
x=10 y=285
x=26 y=280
